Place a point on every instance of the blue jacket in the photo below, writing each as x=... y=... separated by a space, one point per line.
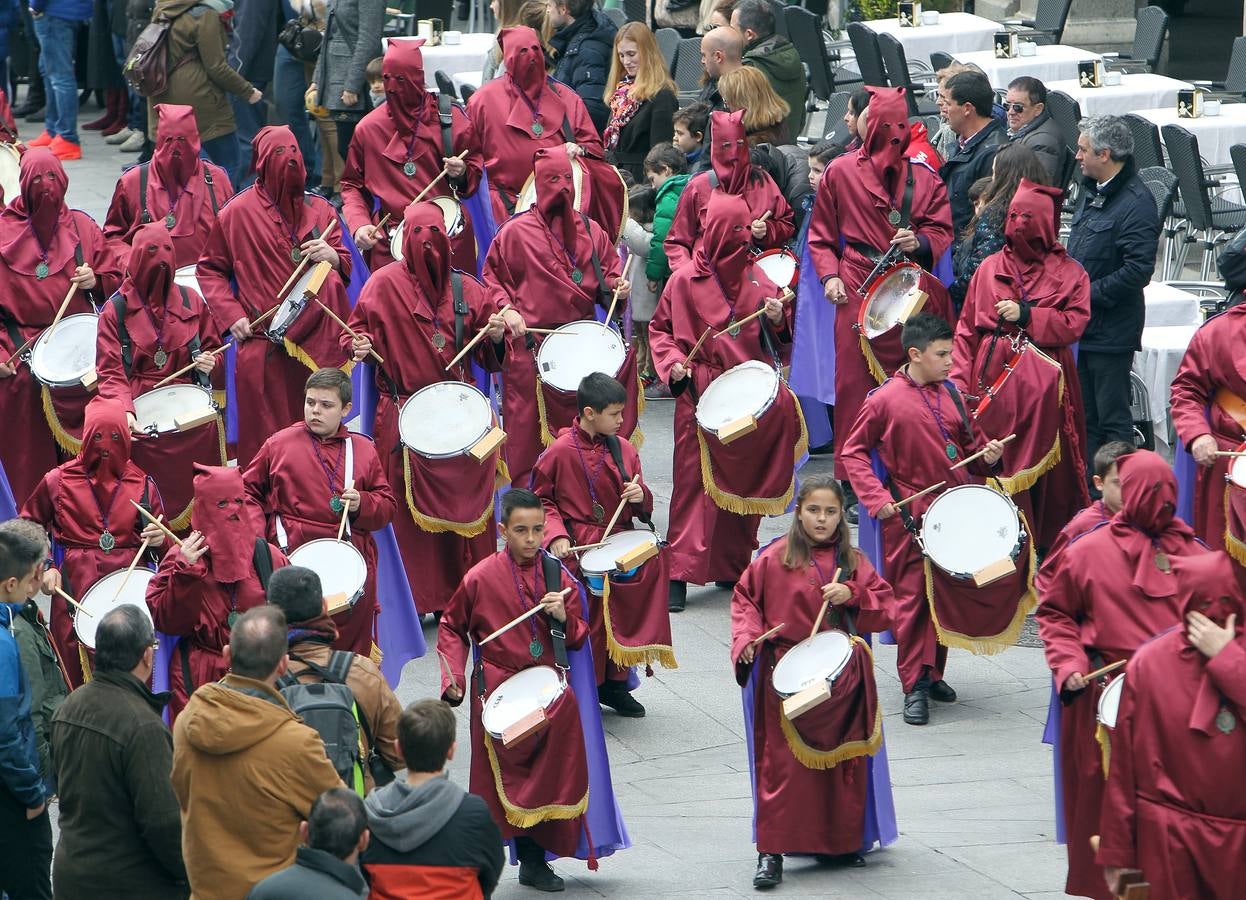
x=583 y=50
x=74 y=10
x=19 y=752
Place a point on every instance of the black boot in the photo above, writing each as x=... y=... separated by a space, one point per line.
x=534 y=871
x=615 y=695
x=677 y=599
x=34 y=102
x=769 y=870
x=841 y=860
x=917 y=703
x=943 y=692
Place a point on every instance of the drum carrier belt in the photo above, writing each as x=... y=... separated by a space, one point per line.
x=461 y=311
x=146 y=218
x=551 y=577
x=616 y=452
x=127 y=347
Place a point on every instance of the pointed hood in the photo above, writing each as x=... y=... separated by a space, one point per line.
x=44 y=185
x=525 y=60
x=1030 y=228
x=554 y=179
x=405 y=93
x=729 y=155
x=280 y=171
x=426 y=249
x=1147 y=523
x=887 y=136
x=226 y=519
x=176 y=157
x=105 y=444
x=724 y=250
x=149 y=275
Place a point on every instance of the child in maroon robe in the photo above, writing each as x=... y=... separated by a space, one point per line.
x=306 y=476
x=87 y=504
x=537 y=789
x=176 y=189
x=581 y=479
x=148 y=330
x=1171 y=806
x=407 y=314
x=811 y=778
x=916 y=424
x=1115 y=589
x=219 y=572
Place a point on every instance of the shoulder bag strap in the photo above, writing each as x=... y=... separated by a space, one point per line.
x=551 y=574
x=143 y=171
x=603 y=295
x=262 y=561
x=460 y=308
x=207 y=179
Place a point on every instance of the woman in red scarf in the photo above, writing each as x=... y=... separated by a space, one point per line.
x=177 y=189
x=1030 y=295
x=44 y=248
x=641 y=97
x=397 y=150
x=148 y=330
x=259 y=241
x=87 y=504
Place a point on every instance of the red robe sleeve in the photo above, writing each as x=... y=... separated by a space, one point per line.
x=1117 y=842
x=376 y=498
x=824 y=228
x=40 y=506
x=214 y=272
x=965 y=341
x=1062 y=325
x=257 y=479
x=113 y=382
x=96 y=254
x=932 y=221
x=747 y=617
x=1193 y=389
x=452 y=638
x=1060 y=616
x=176 y=594
x=871 y=596
x=863 y=438
x=1228 y=673
x=545 y=478
x=122 y=214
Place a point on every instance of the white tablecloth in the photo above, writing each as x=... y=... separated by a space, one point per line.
x=1050 y=64
x=1167 y=305
x=467 y=56
x=472 y=78
x=1215 y=133
x=1156 y=364
x=956 y=33
x=1136 y=92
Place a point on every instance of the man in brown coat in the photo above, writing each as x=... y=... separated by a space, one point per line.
x=246 y=770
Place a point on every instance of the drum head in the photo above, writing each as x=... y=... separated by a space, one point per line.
x=157 y=409
x=65 y=356
x=1110 y=701
x=601 y=560
x=890 y=298
x=818 y=658
x=746 y=390
x=533 y=688
x=294 y=302
x=970 y=527
x=444 y=419
x=527 y=195
x=1237 y=471
x=451 y=214
x=341 y=567
x=188 y=277
x=395 y=242
x=10 y=171
x=578 y=349
x=780 y=266
x=98 y=601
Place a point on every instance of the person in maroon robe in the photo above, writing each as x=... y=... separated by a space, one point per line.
x=1115 y=589
x=177 y=189
x=1171 y=806
x=397 y=150
x=260 y=240
x=87 y=505
x=45 y=247
x=916 y=425
x=536 y=789
x=1030 y=295
x=859 y=213
x=151 y=328
x=306 y=476
x=811 y=778
x=552 y=266
x=713 y=527
x=582 y=479
x=219 y=572
x=407 y=314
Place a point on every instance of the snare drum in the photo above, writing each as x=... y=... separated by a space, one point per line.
x=98 y=601
x=599 y=562
x=748 y=389
x=159 y=411
x=520 y=695
x=341 y=567
x=1236 y=475
x=781 y=266
x=578 y=349
x=891 y=299
x=819 y=658
x=444 y=420
x=451 y=214
x=1110 y=702
x=292 y=305
x=62 y=358
x=10 y=172
x=969 y=527
x=188 y=277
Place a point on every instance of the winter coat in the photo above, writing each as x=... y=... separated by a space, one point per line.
x=650 y=126
x=352 y=39
x=583 y=50
x=657 y=267
x=315 y=874
x=1044 y=138
x=47 y=684
x=19 y=752
x=778 y=60
x=966 y=165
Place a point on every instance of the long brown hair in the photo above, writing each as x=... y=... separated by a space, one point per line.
x=748 y=89
x=1012 y=163
x=799 y=549
x=651 y=75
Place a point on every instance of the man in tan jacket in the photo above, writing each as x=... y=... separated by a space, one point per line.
x=246 y=770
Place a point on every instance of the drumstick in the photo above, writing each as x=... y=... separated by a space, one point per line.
x=474 y=341
x=184 y=369
x=74 y=603
x=817 y=623
x=618 y=284
x=923 y=492
x=787 y=295
x=587 y=547
x=968 y=459
x=1106 y=670
x=440 y=175
x=520 y=619
x=352 y=332
x=134 y=562
x=156 y=521
x=73 y=288
x=1217 y=453
x=341 y=528
x=766 y=215
x=297 y=272
x=441 y=658
x=619 y=509
x=20 y=350
x=541 y=330
x=697 y=346
x=757 y=641
x=381 y=224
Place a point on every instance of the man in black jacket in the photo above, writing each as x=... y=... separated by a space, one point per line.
x=583 y=44
x=1114 y=235
x=965 y=100
x=1031 y=124
x=327 y=865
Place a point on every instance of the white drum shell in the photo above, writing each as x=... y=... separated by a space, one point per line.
x=292 y=305
x=188 y=277
x=444 y=420
x=70 y=355
x=451 y=215
x=10 y=172
x=156 y=409
x=1237 y=471
x=748 y=389
x=889 y=298
x=341 y=567
x=578 y=349
x=98 y=601
x=601 y=560
x=536 y=687
x=969 y=527
x=781 y=268
x=1110 y=701
x=822 y=657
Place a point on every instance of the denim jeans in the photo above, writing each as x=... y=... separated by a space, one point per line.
x=136 y=106
x=249 y=118
x=223 y=151
x=57 y=45
x=289 y=86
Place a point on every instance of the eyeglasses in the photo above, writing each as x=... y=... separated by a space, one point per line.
x=1016 y=107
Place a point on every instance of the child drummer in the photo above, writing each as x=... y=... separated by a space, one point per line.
x=538 y=787
x=585 y=475
x=811 y=777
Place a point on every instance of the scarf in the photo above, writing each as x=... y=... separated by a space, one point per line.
x=623 y=107
x=319 y=629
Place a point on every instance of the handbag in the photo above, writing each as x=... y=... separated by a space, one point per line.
x=302 y=39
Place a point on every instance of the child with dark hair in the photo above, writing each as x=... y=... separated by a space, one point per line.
x=666 y=167
x=643 y=299
x=690 y=125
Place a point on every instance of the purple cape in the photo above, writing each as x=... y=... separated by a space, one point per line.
x=1051 y=735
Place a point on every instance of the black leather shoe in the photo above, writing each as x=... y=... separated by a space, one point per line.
x=769 y=870
x=36 y=114
x=943 y=692
x=842 y=860
x=537 y=874
x=615 y=695
x=677 y=598
x=917 y=705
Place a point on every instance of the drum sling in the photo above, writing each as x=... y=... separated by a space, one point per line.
x=880 y=259
x=146 y=218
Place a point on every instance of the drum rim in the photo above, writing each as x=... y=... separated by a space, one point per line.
x=42 y=342
x=644 y=532
x=485 y=705
x=746 y=365
x=1021 y=534
x=179 y=388
x=869 y=295
x=573 y=329
x=808 y=642
x=341 y=545
x=139 y=572
x=1113 y=689
x=780 y=251
x=471 y=389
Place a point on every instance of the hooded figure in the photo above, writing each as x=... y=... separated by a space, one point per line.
x=228 y=521
x=406 y=97
x=426 y=251
x=555 y=176
x=887 y=139
x=280 y=173
x=729 y=156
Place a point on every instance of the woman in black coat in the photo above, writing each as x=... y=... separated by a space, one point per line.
x=641 y=97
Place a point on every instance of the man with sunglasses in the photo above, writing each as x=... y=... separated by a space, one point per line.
x=1031 y=124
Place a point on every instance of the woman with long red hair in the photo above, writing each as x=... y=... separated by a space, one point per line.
x=641 y=97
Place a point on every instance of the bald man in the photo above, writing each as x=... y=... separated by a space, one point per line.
x=722 y=51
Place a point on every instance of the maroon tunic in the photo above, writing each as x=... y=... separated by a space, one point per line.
x=294 y=477
x=444 y=522
x=488 y=598
x=398 y=149
x=1088 y=519
x=251 y=246
x=178 y=182
x=799 y=809
x=850 y=214
x=708 y=543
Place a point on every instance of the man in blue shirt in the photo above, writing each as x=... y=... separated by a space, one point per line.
x=56 y=27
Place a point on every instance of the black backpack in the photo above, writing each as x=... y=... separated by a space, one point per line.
x=147 y=68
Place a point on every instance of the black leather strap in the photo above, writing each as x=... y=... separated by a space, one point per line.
x=551 y=574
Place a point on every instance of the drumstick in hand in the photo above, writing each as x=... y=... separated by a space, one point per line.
x=341 y=528
x=352 y=332
x=295 y=277
x=757 y=641
x=968 y=459
x=20 y=350
x=134 y=562
x=440 y=175
x=184 y=369
x=817 y=623
x=1105 y=670
x=473 y=342
x=1217 y=453
x=619 y=509
x=631 y=264
x=156 y=521
x=922 y=493
x=697 y=346
x=520 y=619
x=787 y=295
x=74 y=603
x=73 y=289
x=586 y=547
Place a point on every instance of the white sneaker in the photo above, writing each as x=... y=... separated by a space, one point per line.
x=134 y=143
x=120 y=137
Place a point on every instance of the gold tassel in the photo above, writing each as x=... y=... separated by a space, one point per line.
x=1027 y=478
x=298 y=354
x=813 y=758
x=1104 y=737
x=64 y=439
x=434 y=525
x=375 y=654
x=802 y=442
x=733 y=503
x=219 y=398
x=503 y=477
x=542 y=418
x=85 y=662
x=638 y=437
x=876 y=368
x=1233 y=545
x=623 y=657
x=526 y=818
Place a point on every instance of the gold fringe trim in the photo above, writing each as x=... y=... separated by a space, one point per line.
x=547 y=437
x=64 y=439
x=298 y=354
x=993 y=644
x=375 y=654
x=876 y=368
x=648 y=655
x=813 y=758
x=1233 y=545
x=638 y=436
x=438 y=526
x=220 y=399
x=542 y=418
x=85 y=662
x=182 y=520
x=526 y=818
x=503 y=476
x=1104 y=737
x=1027 y=478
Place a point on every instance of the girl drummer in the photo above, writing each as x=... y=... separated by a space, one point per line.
x=811 y=778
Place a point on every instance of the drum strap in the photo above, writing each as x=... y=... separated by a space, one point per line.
x=262 y=562
x=906 y=202
x=207 y=180
x=906 y=517
x=445 y=110
x=14 y=333
x=123 y=333
x=603 y=295
x=183 y=650
x=145 y=218
x=460 y=307
x=960 y=405
x=616 y=451
x=568 y=133
x=551 y=574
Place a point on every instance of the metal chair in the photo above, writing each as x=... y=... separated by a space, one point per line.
x=834 y=128
x=616 y=15
x=668 y=42
x=1140 y=412
x=780 y=18
x=1150 y=30
x=1163 y=186
x=688 y=68
x=466 y=91
x=1237 y=153
x=869 y=56
x=1047 y=26
x=940 y=60
x=1234 y=84
x=445 y=83
x=900 y=74
x=1067 y=114
x=1148 y=149
x=806 y=35
x=1210 y=220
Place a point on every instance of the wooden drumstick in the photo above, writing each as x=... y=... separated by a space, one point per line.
x=619 y=509
x=20 y=350
x=817 y=623
x=765 y=216
x=156 y=521
x=787 y=295
x=381 y=224
x=352 y=332
x=520 y=619
x=134 y=562
x=1106 y=670
x=631 y=264
x=697 y=345
x=440 y=175
x=341 y=528
x=757 y=641
x=184 y=369
x=922 y=493
x=586 y=547
x=74 y=603
x=968 y=459
x=473 y=342
x=297 y=272
x=1217 y=453
x=541 y=330
x=73 y=289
